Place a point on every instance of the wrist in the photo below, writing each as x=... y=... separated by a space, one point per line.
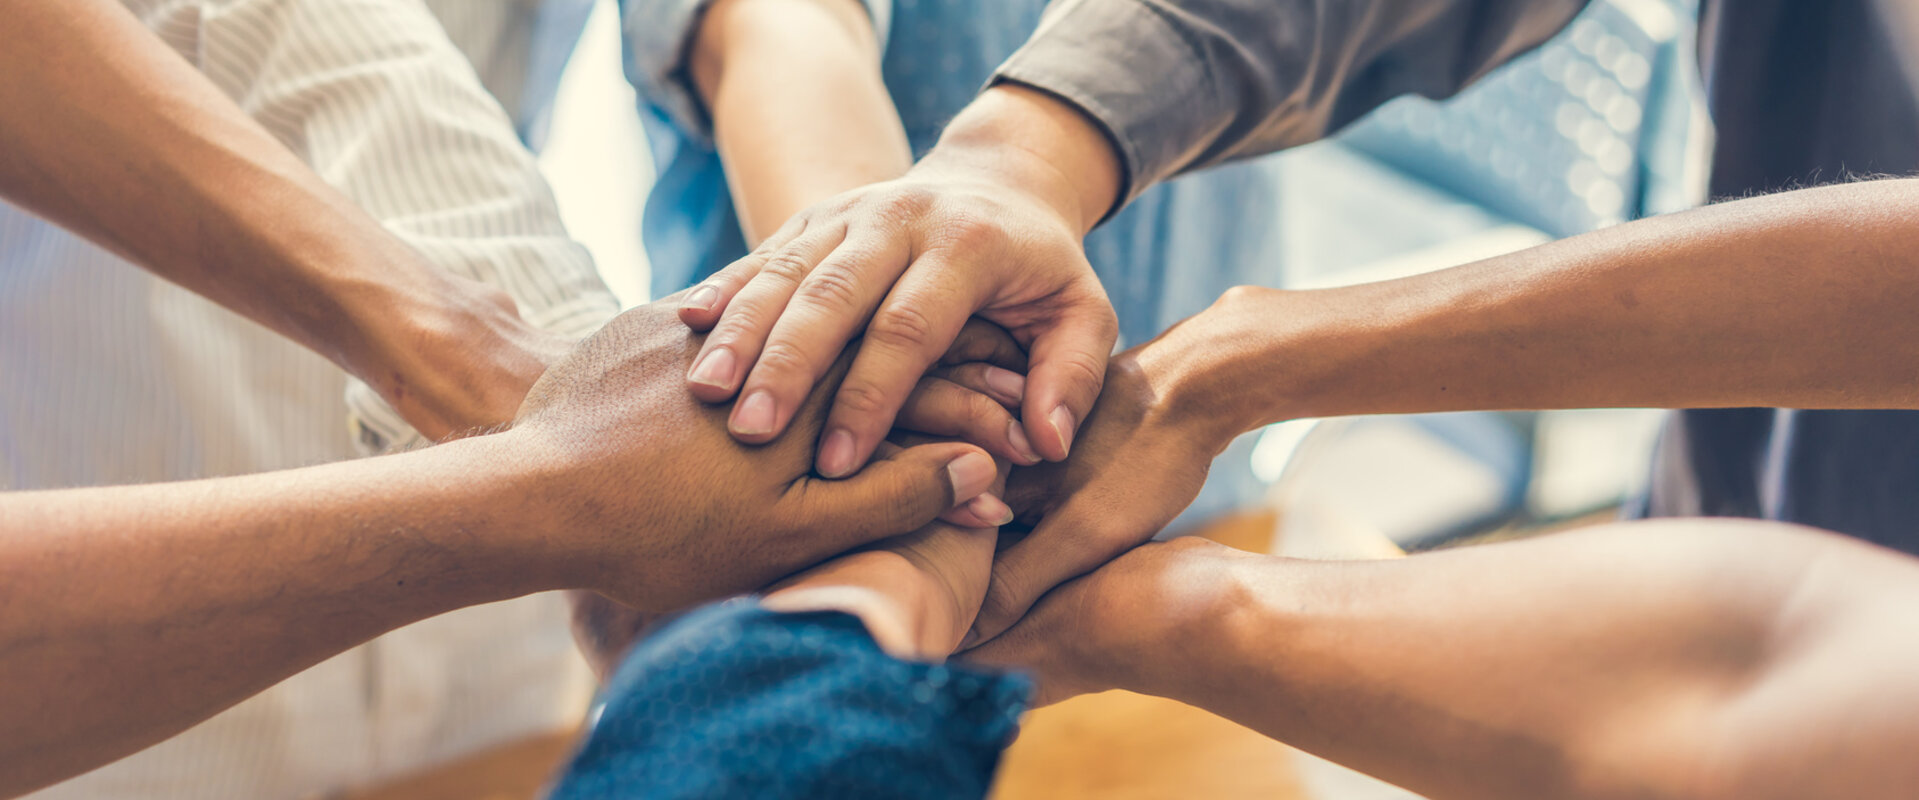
x=1258 y=356
x=889 y=592
x=1035 y=143
x=1165 y=611
x=509 y=499
x=449 y=354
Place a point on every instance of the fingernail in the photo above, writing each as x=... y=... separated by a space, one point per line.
x=755 y=414
x=990 y=509
x=1009 y=385
x=836 y=456
x=1062 y=421
x=970 y=474
x=1021 y=445
x=715 y=370
x=703 y=298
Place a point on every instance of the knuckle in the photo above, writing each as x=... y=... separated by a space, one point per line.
x=901 y=326
x=986 y=414
x=787 y=265
x=967 y=232
x=1002 y=605
x=831 y=286
x=1083 y=369
x=779 y=360
x=903 y=203
x=862 y=399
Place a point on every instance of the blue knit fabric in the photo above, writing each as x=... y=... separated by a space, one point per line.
x=735 y=701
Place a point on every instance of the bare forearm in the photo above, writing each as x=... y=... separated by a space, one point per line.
x=1682 y=659
x=134 y=612
x=1800 y=300
x=111 y=134
x=799 y=110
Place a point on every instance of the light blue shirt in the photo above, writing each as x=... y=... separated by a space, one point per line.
x=1214 y=230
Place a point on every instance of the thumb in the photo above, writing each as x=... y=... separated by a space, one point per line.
x=1068 y=367
x=894 y=494
x=1071 y=541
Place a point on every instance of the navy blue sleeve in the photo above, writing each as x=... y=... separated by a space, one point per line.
x=735 y=701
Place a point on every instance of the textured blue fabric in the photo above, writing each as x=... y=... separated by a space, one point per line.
x=734 y=701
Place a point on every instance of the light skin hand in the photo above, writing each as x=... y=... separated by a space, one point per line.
x=989 y=223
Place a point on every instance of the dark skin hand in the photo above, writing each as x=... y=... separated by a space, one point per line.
x=1140 y=459
x=970 y=395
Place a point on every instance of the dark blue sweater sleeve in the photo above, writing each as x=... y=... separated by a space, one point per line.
x=735 y=701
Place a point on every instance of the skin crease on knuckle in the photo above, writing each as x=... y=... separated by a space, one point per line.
x=834 y=285
x=901 y=326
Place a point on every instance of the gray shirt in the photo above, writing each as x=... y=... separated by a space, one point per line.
x=1184 y=84
x=1802 y=92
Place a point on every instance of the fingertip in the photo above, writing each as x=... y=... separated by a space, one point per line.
x=700 y=308
x=971 y=474
x=1063 y=423
x=756 y=419
x=1023 y=452
x=714 y=375
x=837 y=454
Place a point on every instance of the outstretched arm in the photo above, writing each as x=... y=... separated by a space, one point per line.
x=1801 y=300
x=1694 y=659
x=134 y=612
x=112 y=134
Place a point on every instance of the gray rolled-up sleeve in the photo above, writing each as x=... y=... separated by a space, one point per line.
x=1183 y=84
x=659 y=42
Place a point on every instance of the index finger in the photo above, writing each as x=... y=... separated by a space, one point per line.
x=909 y=332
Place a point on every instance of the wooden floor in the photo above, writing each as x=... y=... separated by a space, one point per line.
x=1113 y=746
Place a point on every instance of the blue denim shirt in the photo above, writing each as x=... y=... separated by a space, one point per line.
x=734 y=701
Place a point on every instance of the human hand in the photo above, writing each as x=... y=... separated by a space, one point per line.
x=917 y=593
x=988 y=224
x=1142 y=458
x=1127 y=625
x=455 y=361
x=654 y=505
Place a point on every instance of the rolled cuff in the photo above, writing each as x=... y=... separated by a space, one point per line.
x=1131 y=72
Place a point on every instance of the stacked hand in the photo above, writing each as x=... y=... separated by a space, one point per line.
x=659 y=508
x=906 y=263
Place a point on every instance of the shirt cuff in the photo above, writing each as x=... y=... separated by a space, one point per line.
x=659 y=42
x=1131 y=72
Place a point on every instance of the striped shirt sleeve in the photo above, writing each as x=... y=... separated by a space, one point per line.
x=373 y=95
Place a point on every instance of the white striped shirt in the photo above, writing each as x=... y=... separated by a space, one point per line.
x=108 y=376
